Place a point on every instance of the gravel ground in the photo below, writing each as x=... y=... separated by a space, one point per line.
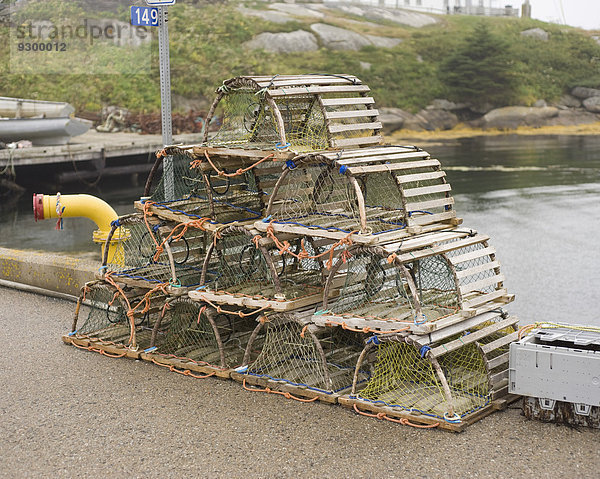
x=69 y=413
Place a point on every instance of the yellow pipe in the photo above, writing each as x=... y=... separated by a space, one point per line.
x=86 y=206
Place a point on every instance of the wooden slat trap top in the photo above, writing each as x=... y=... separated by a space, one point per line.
x=299 y=112
x=370 y=195
x=423 y=284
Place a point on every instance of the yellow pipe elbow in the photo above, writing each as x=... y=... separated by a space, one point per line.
x=85 y=206
x=72 y=206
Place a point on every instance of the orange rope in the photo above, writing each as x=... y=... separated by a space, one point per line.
x=363 y=330
x=303 y=331
x=95 y=349
x=240 y=171
x=239 y=313
x=286 y=395
x=284 y=247
x=404 y=421
x=184 y=372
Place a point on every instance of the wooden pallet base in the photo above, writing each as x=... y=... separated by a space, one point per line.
x=99 y=345
x=180 y=364
x=284 y=387
x=183 y=364
x=496 y=405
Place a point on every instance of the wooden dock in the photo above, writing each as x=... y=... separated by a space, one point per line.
x=92 y=145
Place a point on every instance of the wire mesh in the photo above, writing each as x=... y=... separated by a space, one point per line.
x=323 y=361
x=193 y=331
x=402 y=378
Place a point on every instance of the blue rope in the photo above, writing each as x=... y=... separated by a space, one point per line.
x=423 y=350
x=343 y=169
x=290 y=164
x=374 y=340
x=279 y=146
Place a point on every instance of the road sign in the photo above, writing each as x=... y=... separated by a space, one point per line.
x=144 y=16
x=160 y=3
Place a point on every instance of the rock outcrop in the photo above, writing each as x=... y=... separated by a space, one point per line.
x=536 y=33
x=510 y=117
x=298 y=41
x=336 y=38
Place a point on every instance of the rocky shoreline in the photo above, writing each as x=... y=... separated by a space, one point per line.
x=580 y=107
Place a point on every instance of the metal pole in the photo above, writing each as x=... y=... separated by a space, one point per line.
x=165 y=98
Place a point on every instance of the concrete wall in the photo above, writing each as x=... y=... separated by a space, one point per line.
x=50 y=271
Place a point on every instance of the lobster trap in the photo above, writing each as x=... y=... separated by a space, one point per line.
x=371 y=195
x=115 y=319
x=194 y=336
x=453 y=378
x=156 y=252
x=219 y=186
x=304 y=360
x=300 y=112
x=253 y=272
x=421 y=284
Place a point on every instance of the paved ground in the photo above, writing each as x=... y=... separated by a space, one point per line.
x=69 y=413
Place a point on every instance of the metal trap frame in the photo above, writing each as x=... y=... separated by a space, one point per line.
x=422 y=284
x=368 y=196
x=303 y=360
x=452 y=377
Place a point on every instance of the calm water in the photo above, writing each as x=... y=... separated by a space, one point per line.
x=537 y=198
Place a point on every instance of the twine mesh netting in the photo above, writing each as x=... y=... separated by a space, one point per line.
x=476 y=264
x=377 y=288
x=186 y=332
x=243 y=267
x=245 y=118
x=305 y=126
x=144 y=255
x=374 y=288
x=103 y=316
x=200 y=192
x=324 y=361
x=404 y=379
x=318 y=195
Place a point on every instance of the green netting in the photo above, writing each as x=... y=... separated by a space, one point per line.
x=191 y=330
x=305 y=126
x=374 y=287
x=103 y=316
x=474 y=263
x=318 y=195
x=324 y=360
x=404 y=379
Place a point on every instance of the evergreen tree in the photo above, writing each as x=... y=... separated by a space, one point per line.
x=479 y=71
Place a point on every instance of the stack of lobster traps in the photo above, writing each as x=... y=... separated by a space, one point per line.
x=294 y=253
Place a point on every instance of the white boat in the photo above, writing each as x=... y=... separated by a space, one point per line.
x=42 y=131
x=23 y=108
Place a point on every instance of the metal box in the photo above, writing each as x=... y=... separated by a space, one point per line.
x=558 y=370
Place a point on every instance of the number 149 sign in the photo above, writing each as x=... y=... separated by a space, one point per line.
x=144 y=16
